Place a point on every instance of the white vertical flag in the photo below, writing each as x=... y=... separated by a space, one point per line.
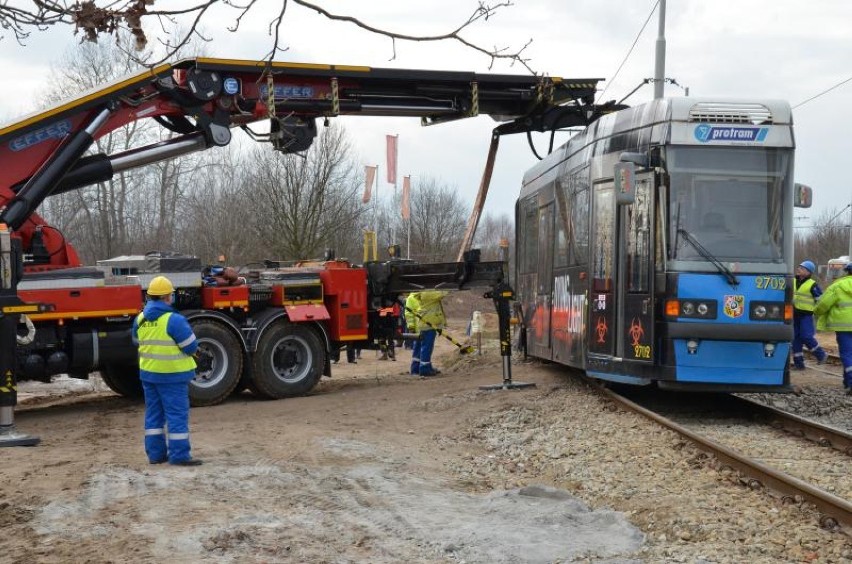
x=392 y=154
x=370 y=176
x=406 y=197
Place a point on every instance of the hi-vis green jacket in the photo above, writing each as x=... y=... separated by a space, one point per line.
x=834 y=308
x=431 y=311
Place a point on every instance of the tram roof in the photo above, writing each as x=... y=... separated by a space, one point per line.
x=733 y=111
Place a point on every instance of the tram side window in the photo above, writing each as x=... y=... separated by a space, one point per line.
x=580 y=219
x=529 y=233
x=604 y=239
x=564 y=229
x=639 y=238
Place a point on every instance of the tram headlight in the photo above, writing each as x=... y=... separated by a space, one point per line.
x=766 y=311
x=692 y=346
x=693 y=308
x=768 y=349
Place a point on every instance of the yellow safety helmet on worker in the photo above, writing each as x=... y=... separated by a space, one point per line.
x=160 y=286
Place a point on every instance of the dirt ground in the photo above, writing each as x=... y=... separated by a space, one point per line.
x=359 y=471
x=374 y=466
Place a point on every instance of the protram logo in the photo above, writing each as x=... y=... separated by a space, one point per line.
x=709 y=133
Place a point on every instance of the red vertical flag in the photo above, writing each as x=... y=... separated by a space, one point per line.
x=406 y=197
x=392 y=154
x=370 y=177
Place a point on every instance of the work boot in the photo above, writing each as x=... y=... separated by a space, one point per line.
x=821 y=355
x=797 y=367
x=188 y=462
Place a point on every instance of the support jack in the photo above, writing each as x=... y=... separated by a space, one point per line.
x=501 y=295
x=9 y=437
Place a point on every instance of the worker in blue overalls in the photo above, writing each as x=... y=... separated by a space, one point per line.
x=805 y=297
x=166 y=366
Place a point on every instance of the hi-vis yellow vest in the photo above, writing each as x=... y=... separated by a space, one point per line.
x=803 y=300
x=157 y=350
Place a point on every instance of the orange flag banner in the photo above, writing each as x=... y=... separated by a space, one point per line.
x=406 y=197
x=392 y=154
x=370 y=177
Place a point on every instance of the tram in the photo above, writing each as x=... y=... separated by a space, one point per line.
x=655 y=247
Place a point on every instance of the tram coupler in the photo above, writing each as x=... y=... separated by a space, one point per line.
x=502 y=294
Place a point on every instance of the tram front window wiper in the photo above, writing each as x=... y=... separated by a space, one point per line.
x=707 y=255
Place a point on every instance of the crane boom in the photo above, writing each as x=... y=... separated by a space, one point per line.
x=201 y=99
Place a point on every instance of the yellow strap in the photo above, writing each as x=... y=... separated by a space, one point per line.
x=335 y=99
x=474 y=99
x=270 y=95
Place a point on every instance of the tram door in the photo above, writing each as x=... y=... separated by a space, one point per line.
x=634 y=264
x=544 y=290
x=601 y=320
x=620 y=300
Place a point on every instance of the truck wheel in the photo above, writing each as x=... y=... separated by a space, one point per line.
x=220 y=364
x=288 y=361
x=123 y=379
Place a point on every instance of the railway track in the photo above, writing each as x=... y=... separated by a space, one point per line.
x=836 y=511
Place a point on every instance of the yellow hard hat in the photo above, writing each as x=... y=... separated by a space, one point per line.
x=160 y=286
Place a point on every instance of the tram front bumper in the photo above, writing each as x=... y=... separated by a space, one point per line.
x=761 y=363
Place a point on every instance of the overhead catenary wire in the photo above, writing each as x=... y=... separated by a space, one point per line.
x=629 y=51
x=826 y=91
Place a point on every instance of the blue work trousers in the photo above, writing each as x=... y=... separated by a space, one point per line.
x=844 y=345
x=415 y=357
x=803 y=334
x=166 y=407
x=427 y=345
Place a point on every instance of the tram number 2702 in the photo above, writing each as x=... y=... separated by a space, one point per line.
x=770 y=282
x=641 y=351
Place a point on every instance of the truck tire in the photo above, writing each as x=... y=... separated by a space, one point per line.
x=288 y=362
x=123 y=379
x=220 y=364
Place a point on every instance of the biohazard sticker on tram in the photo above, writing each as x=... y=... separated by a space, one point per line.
x=637 y=334
x=734 y=305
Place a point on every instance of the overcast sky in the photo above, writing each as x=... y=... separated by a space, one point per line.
x=785 y=49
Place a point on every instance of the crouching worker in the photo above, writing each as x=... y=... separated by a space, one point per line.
x=166 y=366
x=430 y=319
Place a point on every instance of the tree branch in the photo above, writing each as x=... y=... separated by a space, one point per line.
x=96 y=18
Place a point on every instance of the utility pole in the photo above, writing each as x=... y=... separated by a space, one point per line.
x=850 y=231
x=660 y=59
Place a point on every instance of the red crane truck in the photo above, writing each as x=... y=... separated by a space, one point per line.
x=274 y=332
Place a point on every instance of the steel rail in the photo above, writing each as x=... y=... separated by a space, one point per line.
x=811 y=430
x=835 y=511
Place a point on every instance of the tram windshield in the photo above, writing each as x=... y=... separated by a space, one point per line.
x=730 y=200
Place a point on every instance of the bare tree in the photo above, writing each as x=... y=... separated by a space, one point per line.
x=103 y=220
x=492 y=233
x=213 y=221
x=137 y=210
x=829 y=238
x=95 y=18
x=303 y=204
x=438 y=221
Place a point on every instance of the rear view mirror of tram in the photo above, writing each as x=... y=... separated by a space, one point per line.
x=803 y=196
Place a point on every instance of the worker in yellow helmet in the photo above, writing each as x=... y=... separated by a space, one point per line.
x=166 y=366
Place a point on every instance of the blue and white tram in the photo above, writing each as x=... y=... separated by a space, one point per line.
x=656 y=247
